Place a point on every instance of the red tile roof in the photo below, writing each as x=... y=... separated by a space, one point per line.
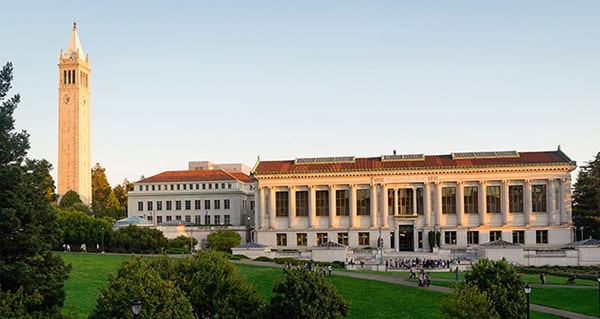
x=197 y=176
x=429 y=162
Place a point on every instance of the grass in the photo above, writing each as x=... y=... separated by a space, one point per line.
x=367 y=299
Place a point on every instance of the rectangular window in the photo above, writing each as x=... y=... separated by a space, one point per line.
x=363 y=202
x=149 y=204
x=198 y=219
x=158 y=205
x=538 y=198
x=172 y=186
x=420 y=209
x=450 y=237
x=207 y=219
x=188 y=204
x=226 y=204
x=492 y=199
x=391 y=201
x=301 y=239
x=188 y=218
x=169 y=205
x=207 y=204
x=227 y=219
x=342 y=203
x=519 y=237
x=209 y=186
x=216 y=185
x=203 y=186
x=322 y=201
x=140 y=206
x=301 y=203
x=217 y=204
x=420 y=237
x=281 y=204
x=197 y=204
x=281 y=239
x=252 y=205
x=177 y=205
x=405 y=201
x=342 y=238
x=184 y=186
x=169 y=218
x=471 y=200
x=178 y=217
x=149 y=218
x=158 y=219
x=448 y=200
x=217 y=219
x=363 y=239
x=541 y=236
x=473 y=237
x=321 y=238
x=153 y=187
x=515 y=199
x=495 y=235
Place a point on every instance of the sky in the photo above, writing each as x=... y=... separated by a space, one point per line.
x=229 y=81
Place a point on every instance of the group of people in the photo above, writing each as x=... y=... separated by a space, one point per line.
x=423 y=278
x=429 y=263
x=325 y=270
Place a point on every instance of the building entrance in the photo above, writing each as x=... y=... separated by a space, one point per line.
x=405 y=238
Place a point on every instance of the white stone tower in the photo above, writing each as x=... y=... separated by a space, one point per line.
x=74 y=156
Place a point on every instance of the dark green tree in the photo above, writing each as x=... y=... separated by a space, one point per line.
x=139 y=279
x=502 y=284
x=28 y=227
x=304 y=294
x=139 y=240
x=586 y=199
x=467 y=302
x=181 y=244
x=223 y=240
x=69 y=199
x=100 y=190
x=78 y=227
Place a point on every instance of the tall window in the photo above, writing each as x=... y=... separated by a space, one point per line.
x=471 y=201
x=492 y=199
x=198 y=219
x=177 y=205
x=149 y=204
x=405 y=201
x=188 y=204
x=207 y=219
x=281 y=204
x=217 y=204
x=473 y=238
x=363 y=239
x=363 y=202
x=391 y=201
x=450 y=237
x=159 y=219
x=197 y=204
x=541 y=236
x=342 y=203
x=226 y=204
x=519 y=237
x=227 y=219
x=169 y=205
x=302 y=203
x=448 y=200
x=140 y=206
x=207 y=204
x=321 y=238
x=495 y=235
x=538 y=198
x=420 y=209
x=188 y=218
x=342 y=238
x=322 y=199
x=217 y=219
x=281 y=239
x=158 y=205
x=515 y=199
x=301 y=239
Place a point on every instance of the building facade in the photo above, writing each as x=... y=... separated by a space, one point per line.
x=208 y=197
x=395 y=201
x=74 y=154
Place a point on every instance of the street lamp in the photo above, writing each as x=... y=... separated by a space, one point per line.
x=136 y=308
x=103 y=240
x=527 y=292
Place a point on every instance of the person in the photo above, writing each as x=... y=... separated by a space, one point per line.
x=571 y=280
x=456 y=273
x=543 y=278
x=329 y=269
x=427 y=279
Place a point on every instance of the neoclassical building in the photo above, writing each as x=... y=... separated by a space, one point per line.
x=470 y=198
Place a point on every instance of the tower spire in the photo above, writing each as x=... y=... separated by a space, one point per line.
x=74 y=45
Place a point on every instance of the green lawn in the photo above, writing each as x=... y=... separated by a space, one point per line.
x=367 y=299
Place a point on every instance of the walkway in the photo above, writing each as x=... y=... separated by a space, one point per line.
x=405 y=282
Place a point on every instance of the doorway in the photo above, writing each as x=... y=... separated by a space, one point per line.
x=405 y=238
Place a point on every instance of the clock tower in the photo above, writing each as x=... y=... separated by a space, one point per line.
x=74 y=168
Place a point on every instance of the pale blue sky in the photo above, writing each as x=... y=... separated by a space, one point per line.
x=226 y=81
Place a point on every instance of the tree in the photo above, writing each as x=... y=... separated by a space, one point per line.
x=140 y=240
x=121 y=191
x=468 y=302
x=100 y=189
x=69 y=199
x=139 y=279
x=28 y=226
x=112 y=207
x=223 y=240
x=306 y=294
x=502 y=284
x=586 y=199
x=78 y=227
x=181 y=244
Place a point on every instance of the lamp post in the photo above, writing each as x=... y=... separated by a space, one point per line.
x=136 y=308
x=103 y=240
x=527 y=292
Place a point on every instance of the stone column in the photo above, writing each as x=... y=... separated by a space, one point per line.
x=384 y=206
x=414 y=199
x=332 y=207
x=312 y=206
x=353 y=216
x=527 y=203
x=292 y=207
x=438 y=204
x=504 y=202
x=373 y=201
x=271 y=211
x=460 y=203
x=261 y=208
x=565 y=201
x=396 y=211
x=481 y=203
x=426 y=204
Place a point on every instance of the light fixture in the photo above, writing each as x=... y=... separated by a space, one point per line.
x=136 y=308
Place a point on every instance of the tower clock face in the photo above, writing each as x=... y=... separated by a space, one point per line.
x=67 y=99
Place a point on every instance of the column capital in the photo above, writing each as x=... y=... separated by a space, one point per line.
x=483 y=182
